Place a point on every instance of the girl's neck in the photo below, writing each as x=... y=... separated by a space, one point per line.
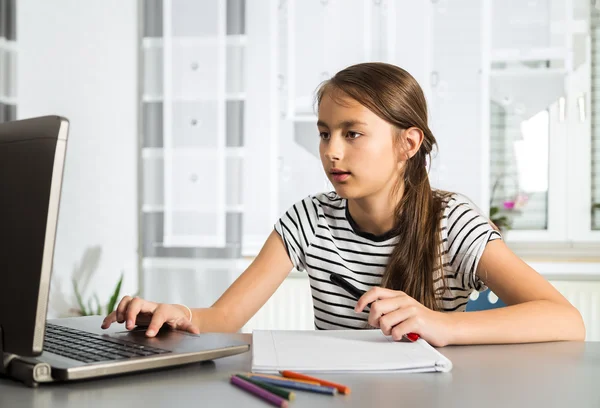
x=375 y=214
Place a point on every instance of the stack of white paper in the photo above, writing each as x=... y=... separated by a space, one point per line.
x=341 y=351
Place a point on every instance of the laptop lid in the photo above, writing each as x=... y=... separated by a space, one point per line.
x=32 y=157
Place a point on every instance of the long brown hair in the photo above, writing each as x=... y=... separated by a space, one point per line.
x=395 y=96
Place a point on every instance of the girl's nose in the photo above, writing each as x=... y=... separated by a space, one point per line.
x=334 y=148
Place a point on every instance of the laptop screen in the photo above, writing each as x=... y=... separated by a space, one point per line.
x=32 y=154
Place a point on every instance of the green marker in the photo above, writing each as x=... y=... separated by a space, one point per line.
x=288 y=395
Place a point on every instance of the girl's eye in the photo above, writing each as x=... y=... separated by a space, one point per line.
x=354 y=135
x=324 y=135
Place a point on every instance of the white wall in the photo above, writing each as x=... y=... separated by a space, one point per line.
x=79 y=59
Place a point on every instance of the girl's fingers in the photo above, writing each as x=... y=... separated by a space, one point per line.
x=407 y=326
x=133 y=309
x=108 y=320
x=374 y=294
x=385 y=306
x=122 y=308
x=396 y=318
x=158 y=319
x=188 y=326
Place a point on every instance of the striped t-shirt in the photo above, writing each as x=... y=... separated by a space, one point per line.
x=321 y=237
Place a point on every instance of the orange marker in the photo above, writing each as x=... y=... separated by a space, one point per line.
x=275 y=377
x=297 y=376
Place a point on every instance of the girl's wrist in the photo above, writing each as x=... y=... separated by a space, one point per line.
x=191 y=316
x=187 y=311
x=451 y=327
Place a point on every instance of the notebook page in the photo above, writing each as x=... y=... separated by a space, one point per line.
x=342 y=351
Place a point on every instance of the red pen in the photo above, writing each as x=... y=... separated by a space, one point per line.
x=357 y=293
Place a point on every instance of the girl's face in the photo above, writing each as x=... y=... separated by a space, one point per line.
x=357 y=148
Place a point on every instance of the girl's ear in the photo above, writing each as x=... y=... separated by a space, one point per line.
x=412 y=138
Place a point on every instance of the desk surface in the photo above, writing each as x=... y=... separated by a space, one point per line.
x=530 y=375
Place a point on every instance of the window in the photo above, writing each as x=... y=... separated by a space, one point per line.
x=545 y=167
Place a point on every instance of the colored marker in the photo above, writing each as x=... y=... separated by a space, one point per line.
x=341 y=388
x=288 y=395
x=259 y=392
x=295 y=385
x=276 y=377
x=357 y=293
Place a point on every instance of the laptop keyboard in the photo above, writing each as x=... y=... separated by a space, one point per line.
x=90 y=348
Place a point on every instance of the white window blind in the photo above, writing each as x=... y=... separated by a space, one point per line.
x=8 y=60
x=595 y=116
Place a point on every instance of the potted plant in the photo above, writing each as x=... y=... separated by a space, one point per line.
x=501 y=216
x=93 y=305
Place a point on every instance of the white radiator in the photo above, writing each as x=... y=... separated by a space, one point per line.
x=585 y=296
x=290 y=308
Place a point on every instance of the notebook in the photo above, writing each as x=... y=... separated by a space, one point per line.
x=342 y=351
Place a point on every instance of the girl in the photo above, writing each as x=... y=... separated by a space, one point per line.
x=418 y=252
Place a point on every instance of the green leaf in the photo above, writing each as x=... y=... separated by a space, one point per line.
x=596 y=206
x=79 y=299
x=90 y=308
x=98 y=305
x=113 y=300
x=493 y=211
x=503 y=222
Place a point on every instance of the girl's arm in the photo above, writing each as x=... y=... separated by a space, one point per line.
x=249 y=292
x=535 y=310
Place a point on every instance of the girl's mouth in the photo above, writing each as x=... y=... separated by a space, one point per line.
x=339 y=176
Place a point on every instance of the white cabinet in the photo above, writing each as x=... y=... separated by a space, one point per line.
x=192 y=126
x=194 y=203
x=194 y=68
x=191 y=18
x=197 y=69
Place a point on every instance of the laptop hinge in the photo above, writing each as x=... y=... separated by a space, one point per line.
x=29 y=372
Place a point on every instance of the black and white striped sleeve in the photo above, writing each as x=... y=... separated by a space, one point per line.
x=297 y=229
x=468 y=233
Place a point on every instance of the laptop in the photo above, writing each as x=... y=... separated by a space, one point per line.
x=36 y=350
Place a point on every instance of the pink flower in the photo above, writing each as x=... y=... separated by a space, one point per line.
x=509 y=205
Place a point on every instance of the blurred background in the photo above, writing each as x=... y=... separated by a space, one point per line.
x=193 y=130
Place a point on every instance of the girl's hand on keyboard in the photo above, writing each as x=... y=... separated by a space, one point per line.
x=139 y=312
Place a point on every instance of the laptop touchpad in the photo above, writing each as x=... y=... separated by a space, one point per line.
x=166 y=338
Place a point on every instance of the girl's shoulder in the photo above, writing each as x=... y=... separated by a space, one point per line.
x=451 y=201
x=319 y=204
x=329 y=200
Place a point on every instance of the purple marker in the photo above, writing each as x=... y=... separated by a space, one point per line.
x=259 y=392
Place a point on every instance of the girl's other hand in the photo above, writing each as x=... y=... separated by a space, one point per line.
x=139 y=312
